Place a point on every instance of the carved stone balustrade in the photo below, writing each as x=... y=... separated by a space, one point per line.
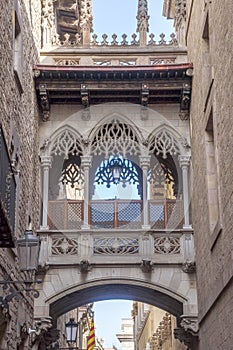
x=115 y=245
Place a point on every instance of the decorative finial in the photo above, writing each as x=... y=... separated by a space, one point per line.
x=142 y=20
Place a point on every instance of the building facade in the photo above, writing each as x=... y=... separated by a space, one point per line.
x=97 y=136
x=206 y=29
x=154 y=329
x=19 y=47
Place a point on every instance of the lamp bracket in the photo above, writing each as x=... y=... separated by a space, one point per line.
x=13 y=293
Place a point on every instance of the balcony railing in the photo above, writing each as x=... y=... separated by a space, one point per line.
x=112 y=214
x=7 y=196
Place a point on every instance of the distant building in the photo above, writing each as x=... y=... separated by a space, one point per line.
x=154 y=329
x=126 y=337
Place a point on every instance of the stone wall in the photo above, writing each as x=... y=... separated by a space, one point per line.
x=209 y=36
x=19 y=119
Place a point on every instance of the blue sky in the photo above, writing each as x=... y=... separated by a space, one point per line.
x=119 y=17
x=108 y=315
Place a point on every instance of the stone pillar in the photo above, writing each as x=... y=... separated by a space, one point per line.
x=145 y=163
x=46 y=162
x=142 y=22
x=184 y=164
x=86 y=164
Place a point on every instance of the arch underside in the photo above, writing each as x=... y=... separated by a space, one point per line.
x=116 y=291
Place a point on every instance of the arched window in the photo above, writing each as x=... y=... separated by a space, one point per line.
x=117 y=178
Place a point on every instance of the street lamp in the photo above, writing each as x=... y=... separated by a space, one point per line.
x=28 y=250
x=116 y=166
x=28 y=254
x=71 y=331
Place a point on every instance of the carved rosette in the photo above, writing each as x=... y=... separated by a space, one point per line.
x=64 y=246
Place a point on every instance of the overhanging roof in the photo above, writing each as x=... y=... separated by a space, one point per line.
x=89 y=85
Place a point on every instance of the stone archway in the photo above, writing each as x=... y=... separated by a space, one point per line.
x=118 y=289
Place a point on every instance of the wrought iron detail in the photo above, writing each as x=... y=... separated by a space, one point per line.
x=158 y=176
x=72 y=173
x=128 y=172
x=167 y=245
x=7 y=285
x=64 y=246
x=116 y=246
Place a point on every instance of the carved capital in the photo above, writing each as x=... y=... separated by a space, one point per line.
x=46 y=161
x=184 y=160
x=145 y=162
x=86 y=162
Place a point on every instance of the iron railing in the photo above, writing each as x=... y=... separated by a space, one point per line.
x=7 y=192
x=111 y=214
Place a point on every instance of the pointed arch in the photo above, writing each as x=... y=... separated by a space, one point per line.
x=115 y=134
x=165 y=140
x=64 y=141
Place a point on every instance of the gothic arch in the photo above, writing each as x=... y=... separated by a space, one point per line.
x=166 y=140
x=115 y=133
x=63 y=141
x=119 y=116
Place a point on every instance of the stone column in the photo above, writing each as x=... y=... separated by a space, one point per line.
x=184 y=164
x=145 y=163
x=86 y=164
x=46 y=162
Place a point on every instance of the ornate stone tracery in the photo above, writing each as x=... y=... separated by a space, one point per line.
x=64 y=246
x=167 y=245
x=115 y=137
x=66 y=143
x=164 y=143
x=116 y=246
